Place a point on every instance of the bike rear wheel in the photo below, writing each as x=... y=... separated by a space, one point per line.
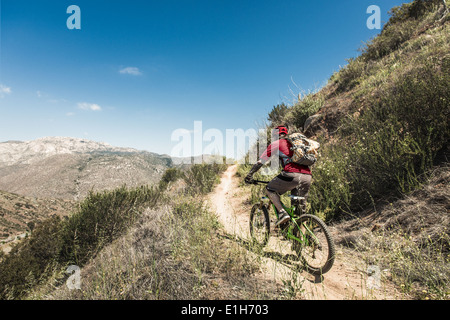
x=316 y=248
x=259 y=224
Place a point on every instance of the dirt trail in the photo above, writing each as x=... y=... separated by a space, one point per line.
x=347 y=279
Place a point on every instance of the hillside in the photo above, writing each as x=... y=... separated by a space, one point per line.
x=68 y=168
x=382 y=119
x=19 y=215
x=381 y=184
x=382 y=180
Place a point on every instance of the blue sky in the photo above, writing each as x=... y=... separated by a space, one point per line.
x=138 y=70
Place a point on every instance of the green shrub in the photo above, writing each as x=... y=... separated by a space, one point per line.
x=102 y=217
x=350 y=75
x=201 y=178
x=413 y=10
x=29 y=261
x=169 y=176
x=389 y=40
x=386 y=148
x=404 y=22
x=398 y=138
x=330 y=191
x=56 y=243
x=304 y=108
x=278 y=113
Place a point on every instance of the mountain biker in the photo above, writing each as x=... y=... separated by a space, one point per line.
x=294 y=177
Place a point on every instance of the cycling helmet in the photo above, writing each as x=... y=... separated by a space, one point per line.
x=282 y=130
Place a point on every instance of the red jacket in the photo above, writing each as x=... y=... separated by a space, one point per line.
x=282 y=148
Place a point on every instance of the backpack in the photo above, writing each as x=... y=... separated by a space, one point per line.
x=305 y=150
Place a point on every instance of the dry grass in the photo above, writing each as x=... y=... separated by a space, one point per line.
x=172 y=253
x=409 y=238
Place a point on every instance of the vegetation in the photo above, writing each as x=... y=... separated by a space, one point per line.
x=201 y=178
x=383 y=150
x=132 y=245
x=306 y=107
x=278 y=113
x=57 y=243
x=414 y=242
x=384 y=128
x=396 y=100
x=379 y=153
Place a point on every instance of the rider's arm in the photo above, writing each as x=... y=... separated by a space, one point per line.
x=254 y=169
x=272 y=149
x=264 y=158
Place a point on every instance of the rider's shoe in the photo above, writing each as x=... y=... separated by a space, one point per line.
x=284 y=217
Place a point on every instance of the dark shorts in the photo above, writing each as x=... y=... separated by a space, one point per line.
x=298 y=183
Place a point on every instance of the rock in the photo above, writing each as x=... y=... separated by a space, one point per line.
x=311 y=121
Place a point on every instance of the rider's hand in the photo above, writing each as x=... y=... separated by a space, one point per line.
x=249 y=179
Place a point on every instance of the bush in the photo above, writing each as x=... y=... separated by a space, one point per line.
x=102 y=217
x=398 y=138
x=350 y=76
x=169 y=176
x=384 y=150
x=389 y=40
x=404 y=22
x=414 y=10
x=278 y=113
x=56 y=243
x=29 y=261
x=201 y=178
x=304 y=108
x=330 y=191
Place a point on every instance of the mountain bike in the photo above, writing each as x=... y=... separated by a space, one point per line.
x=308 y=234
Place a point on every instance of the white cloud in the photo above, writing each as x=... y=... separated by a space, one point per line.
x=4 y=91
x=131 y=70
x=48 y=98
x=70 y=114
x=89 y=106
x=56 y=100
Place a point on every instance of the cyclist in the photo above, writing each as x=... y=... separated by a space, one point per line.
x=294 y=177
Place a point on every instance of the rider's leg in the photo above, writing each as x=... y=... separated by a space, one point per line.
x=283 y=216
x=282 y=183
x=275 y=198
x=302 y=190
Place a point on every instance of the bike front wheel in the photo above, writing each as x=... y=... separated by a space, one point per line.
x=315 y=246
x=259 y=224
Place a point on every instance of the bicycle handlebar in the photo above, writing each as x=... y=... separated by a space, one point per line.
x=259 y=181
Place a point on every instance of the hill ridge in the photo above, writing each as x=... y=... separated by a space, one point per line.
x=68 y=168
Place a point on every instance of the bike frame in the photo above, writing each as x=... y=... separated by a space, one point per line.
x=300 y=230
x=290 y=210
x=289 y=233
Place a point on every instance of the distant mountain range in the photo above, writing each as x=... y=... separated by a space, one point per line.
x=48 y=176
x=68 y=168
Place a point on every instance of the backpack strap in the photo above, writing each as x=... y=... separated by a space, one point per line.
x=285 y=159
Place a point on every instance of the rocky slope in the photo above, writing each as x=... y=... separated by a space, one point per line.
x=19 y=215
x=68 y=168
